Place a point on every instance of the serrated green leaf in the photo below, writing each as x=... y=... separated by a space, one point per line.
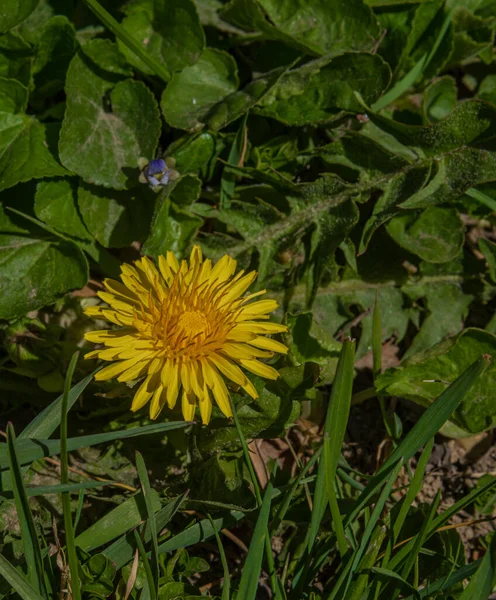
x=320 y=90
x=190 y=95
x=13 y=96
x=330 y=27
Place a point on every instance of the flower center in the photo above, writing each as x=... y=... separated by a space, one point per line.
x=192 y=323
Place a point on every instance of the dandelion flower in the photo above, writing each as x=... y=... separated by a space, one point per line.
x=184 y=328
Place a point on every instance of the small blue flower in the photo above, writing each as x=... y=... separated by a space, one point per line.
x=157 y=173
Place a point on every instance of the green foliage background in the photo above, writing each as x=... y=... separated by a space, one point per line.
x=344 y=149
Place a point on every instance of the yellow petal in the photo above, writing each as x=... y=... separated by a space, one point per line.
x=268 y=344
x=172 y=262
x=238 y=351
x=255 y=309
x=116 y=287
x=239 y=288
x=196 y=256
x=219 y=390
x=143 y=394
x=188 y=405
x=224 y=268
x=101 y=336
x=228 y=368
x=260 y=369
x=186 y=377
x=173 y=385
x=165 y=270
x=205 y=405
x=157 y=402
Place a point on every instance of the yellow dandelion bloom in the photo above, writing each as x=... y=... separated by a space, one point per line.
x=184 y=327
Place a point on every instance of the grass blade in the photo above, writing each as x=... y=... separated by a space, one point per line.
x=253 y=564
x=334 y=430
x=15 y=578
x=122 y=550
x=115 y=523
x=236 y=158
x=482 y=583
x=419 y=541
x=147 y=493
x=110 y=23
x=226 y=586
x=32 y=550
x=29 y=450
x=152 y=591
x=275 y=584
x=482 y=198
x=44 y=424
x=414 y=74
x=426 y=427
x=351 y=566
x=64 y=480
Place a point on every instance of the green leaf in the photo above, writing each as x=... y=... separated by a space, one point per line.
x=30 y=449
x=55 y=204
x=169 y=30
x=14 y=577
x=109 y=121
x=236 y=104
x=56 y=46
x=36 y=268
x=26 y=150
x=318 y=27
x=14 y=12
x=435 y=235
x=173 y=227
x=320 y=90
x=190 y=95
x=116 y=218
x=120 y=519
x=425 y=376
x=446 y=307
x=13 y=96
x=439 y=99
x=15 y=58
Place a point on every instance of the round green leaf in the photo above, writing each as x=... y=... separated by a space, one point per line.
x=110 y=122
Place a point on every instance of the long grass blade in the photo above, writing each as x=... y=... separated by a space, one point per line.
x=29 y=450
x=147 y=493
x=15 y=578
x=253 y=564
x=415 y=73
x=426 y=427
x=44 y=424
x=32 y=550
x=236 y=158
x=482 y=583
x=64 y=480
x=112 y=25
x=482 y=198
x=226 y=586
x=122 y=550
